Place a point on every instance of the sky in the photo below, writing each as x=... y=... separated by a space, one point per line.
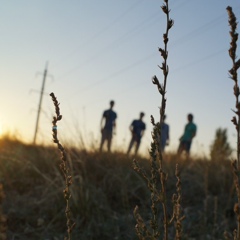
x=96 y=51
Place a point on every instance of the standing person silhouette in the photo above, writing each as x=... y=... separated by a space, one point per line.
x=164 y=134
x=108 y=125
x=137 y=129
x=190 y=131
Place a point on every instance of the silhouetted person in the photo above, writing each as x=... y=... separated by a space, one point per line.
x=137 y=129
x=108 y=124
x=189 y=133
x=164 y=134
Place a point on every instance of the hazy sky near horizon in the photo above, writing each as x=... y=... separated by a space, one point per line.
x=102 y=50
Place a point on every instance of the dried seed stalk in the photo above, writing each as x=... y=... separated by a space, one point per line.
x=63 y=166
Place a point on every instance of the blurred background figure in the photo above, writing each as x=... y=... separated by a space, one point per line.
x=137 y=129
x=108 y=125
x=164 y=134
x=186 y=139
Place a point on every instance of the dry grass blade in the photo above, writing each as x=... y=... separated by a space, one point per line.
x=159 y=226
x=236 y=119
x=63 y=166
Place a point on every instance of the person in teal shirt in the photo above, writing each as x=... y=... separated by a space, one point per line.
x=190 y=131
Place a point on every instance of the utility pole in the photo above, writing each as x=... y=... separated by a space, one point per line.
x=40 y=103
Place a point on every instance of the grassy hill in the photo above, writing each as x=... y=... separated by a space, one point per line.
x=105 y=191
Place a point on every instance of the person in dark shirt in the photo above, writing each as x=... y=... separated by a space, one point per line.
x=108 y=124
x=164 y=134
x=137 y=129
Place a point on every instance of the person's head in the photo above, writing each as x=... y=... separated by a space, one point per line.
x=190 y=117
x=112 y=103
x=142 y=115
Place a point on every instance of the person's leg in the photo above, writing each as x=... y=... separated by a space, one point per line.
x=130 y=145
x=163 y=144
x=102 y=140
x=137 y=146
x=180 y=148
x=109 y=139
x=188 y=146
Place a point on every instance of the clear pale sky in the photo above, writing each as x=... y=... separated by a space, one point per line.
x=102 y=50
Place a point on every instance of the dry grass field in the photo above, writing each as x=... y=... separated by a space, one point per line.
x=105 y=191
x=41 y=192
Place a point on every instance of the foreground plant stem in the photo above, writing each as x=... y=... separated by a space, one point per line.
x=236 y=119
x=157 y=181
x=63 y=166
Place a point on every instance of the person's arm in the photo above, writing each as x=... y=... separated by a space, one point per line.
x=168 y=138
x=143 y=130
x=114 y=126
x=101 y=123
x=180 y=139
x=131 y=127
x=193 y=135
x=194 y=132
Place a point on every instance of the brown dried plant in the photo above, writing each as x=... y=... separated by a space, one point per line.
x=177 y=209
x=236 y=119
x=157 y=180
x=63 y=166
x=233 y=74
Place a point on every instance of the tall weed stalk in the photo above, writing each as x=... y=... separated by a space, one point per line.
x=63 y=166
x=156 y=182
x=236 y=119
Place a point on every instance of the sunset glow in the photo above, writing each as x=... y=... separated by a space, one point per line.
x=97 y=52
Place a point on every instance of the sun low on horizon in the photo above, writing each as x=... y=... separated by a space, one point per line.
x=1 y=129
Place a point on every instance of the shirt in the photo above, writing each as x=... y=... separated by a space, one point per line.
x=138 y=127
x=110 y=117
x=189 y=131
x=165 y=133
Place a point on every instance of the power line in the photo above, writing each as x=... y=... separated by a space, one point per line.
x=111 y=45
x=135 y=64
x=104 y=29
x=117 y=73
x=205 y=27
x=149 y=21
x=187 y=37
x=129 y=89
x=193 y=34
x=198 y=31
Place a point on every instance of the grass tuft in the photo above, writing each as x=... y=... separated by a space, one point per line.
x=161 y=219
x=236 y=119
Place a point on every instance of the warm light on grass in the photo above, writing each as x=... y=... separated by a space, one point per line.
x=1 y=128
